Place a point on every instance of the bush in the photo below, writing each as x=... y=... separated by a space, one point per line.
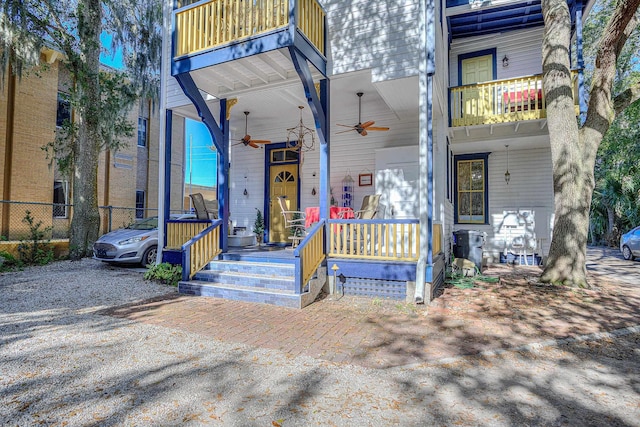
x=8 y=262
x=165 y=273
x=36 y=249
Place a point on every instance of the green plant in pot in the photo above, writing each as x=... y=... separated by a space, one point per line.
x=258 y=226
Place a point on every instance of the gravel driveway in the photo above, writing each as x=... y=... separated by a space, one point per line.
x=63 y=364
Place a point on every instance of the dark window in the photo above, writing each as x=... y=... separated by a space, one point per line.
x=64 y=110
x=142 y=132
x=60 y=199
x=139 y=204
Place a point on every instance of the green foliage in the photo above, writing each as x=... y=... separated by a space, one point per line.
x=258 y=224
x=164 y=273
x=457 y=278
x=616 y=199
x=100 y=100
x=37 y=248
x=296 y=231
x=117 y=97
x=629 y=59
x=8 y=262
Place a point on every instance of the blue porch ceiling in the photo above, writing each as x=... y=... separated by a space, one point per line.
x=507 y=17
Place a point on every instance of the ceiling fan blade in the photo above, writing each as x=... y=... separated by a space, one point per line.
x=378 y=128
x=251 y=144
x=346 y=126
x=363 y=133
x=260 y=141
x=367 y=124
x=345 y=131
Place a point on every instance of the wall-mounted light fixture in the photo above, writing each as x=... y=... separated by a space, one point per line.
x=505 y=61
x=507 y=175
x=245 y=192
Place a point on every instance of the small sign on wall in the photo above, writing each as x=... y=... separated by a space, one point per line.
x=365 y=179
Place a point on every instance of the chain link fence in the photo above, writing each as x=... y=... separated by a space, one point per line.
x=56 y=218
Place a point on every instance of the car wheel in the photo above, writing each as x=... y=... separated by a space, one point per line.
x=626 y=253
x=149 y=256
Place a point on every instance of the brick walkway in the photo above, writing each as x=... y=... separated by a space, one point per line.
x=374 y=333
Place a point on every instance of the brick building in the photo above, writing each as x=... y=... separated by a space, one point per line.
x=31 y=109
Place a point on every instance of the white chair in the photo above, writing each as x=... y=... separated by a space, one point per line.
x=293 y=222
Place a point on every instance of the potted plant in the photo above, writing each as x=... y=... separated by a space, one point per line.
x=258 y=226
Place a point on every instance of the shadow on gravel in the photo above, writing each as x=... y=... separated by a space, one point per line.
x=65 y=365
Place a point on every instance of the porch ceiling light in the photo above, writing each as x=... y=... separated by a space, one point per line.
x=505 y=61
x=507 y=175
x=301 y=137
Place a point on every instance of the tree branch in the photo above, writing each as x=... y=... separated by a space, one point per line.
x=600 y=112
x=626 y=98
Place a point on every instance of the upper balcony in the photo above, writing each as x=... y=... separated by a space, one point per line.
x=210 y=32
x=501 y=101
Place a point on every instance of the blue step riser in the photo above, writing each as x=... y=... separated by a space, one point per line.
x=292 y=301
x=256 y=258
x=283 y=283
x=276 y=270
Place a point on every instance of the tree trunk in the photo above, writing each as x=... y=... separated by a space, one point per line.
x=611 y=223
x=85 y=224
x=574 y=150
x=566 y=262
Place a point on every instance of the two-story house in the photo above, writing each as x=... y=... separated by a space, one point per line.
x=436 y=108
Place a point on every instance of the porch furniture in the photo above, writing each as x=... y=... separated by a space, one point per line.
x=202 y=212
x=523 y=100
x=369 y=208
x=312 y=214
x=294 y=222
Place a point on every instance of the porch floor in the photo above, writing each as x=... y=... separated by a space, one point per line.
x=263 y=253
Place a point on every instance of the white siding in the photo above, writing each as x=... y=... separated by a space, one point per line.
x=175 y=95
x=529 y=190
x=523 y=48
x=378 y=35
x=350 y=154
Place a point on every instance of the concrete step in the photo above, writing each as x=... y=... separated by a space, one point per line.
x=279 y=297
x=248 y=280
x=251 y=267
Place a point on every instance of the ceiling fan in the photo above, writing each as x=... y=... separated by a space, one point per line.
x=362 y=128
x=246 y=140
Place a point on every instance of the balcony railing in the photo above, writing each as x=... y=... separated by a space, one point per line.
x=207 y=25
x=501 y=101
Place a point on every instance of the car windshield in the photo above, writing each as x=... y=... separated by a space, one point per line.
x=145 y=224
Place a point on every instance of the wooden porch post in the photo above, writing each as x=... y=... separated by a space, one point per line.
x=223 y=176
x=320 y=109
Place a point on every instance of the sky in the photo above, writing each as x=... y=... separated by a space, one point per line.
x=198 y=152
x=114 y=61
x=196 y=136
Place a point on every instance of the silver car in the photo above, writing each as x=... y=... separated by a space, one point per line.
x=630 y=244
x=137 y=243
